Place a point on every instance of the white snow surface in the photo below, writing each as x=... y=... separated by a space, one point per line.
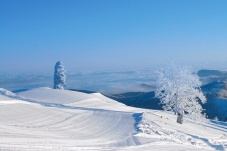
x=49 y=119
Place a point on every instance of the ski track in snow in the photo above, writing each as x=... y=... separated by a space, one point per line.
x=47 y=119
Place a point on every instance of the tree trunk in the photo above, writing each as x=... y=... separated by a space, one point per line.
x=179 y=118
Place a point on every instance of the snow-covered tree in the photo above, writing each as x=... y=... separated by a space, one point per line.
x=59 y=76
x=179 y=90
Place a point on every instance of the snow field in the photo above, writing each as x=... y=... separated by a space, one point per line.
x=47 y=119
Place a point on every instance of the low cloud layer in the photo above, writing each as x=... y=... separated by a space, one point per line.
x=105 y=82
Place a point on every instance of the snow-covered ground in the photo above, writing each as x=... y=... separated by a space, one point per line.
x=48 y=119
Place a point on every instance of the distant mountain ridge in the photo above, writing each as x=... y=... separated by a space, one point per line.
x=145 y=100
x=207 y=73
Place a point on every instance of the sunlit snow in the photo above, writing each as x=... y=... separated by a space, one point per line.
x=49 y=119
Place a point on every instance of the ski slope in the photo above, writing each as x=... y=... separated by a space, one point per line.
x=48 y=119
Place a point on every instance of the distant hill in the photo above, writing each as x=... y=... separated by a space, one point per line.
x=208 y=73
x=208 y=76
x=84 y=91
x=216 y=106
x=145 y=100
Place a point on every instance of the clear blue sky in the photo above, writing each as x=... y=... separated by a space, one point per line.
x=102 y=34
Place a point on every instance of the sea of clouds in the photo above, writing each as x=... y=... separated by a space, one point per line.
x=108 y=82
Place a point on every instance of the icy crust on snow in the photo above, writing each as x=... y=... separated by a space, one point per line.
x=66 y=120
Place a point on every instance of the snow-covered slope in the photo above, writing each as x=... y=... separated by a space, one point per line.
x=47 y=119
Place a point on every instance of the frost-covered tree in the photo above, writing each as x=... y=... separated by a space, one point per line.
x=59 y=76
x=179 y=90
